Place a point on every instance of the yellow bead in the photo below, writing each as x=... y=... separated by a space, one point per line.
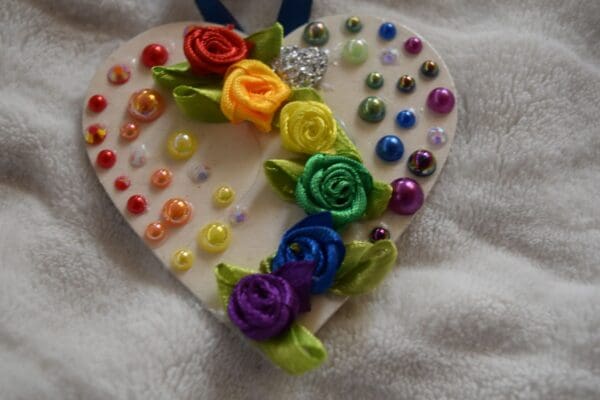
x=181 y=145
x=182 y=260
x=224 y=196
x=214 y=237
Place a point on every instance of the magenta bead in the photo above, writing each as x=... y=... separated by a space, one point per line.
x=407 y=196
x=413 y=45
x=440 y=100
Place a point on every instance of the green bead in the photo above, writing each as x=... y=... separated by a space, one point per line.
x=372 y=109
x=430 y=69
x=374 y=80
x=353 y=25
x=406 y=84
x=316 y=34
x=355 y=51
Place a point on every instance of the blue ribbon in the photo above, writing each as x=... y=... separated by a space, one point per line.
x=292 y=14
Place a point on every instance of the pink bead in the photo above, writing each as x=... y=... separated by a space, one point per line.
x=407 y=196
x=413 y=45
x=440 y=100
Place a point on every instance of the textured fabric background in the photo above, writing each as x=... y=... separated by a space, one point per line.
x=497 y=290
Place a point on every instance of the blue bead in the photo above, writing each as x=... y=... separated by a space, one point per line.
x=406 y=119
x=389 y=148
x=387 y=31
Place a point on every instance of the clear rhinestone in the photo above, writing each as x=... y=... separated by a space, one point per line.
x=304 y=67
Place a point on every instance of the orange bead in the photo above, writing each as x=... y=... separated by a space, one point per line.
x=130 y=131
x=155 y=231
x=161 y=178
x=146 y=105
x=177 y=211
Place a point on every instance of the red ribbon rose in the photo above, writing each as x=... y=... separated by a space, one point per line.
x=212 y=49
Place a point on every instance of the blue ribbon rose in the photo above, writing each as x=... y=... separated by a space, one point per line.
x=313 y=239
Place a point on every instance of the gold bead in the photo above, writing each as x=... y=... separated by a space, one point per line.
x=182 y=260
x=181 y=145
x=224 y=196
x=214 y=237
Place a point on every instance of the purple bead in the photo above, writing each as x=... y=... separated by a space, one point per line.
x=407 y=196
x=413 y=45
x=379 y=233
x=440 y=100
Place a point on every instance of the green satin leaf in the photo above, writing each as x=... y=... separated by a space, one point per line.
x=266 y=44
x=283 y=176
x=343 y=146
x=305 y=94
x=364 y=267
x=180 y=75
x=203 y=104
x=265 y=265
x=296 y=351
x=227 y=277
x=378 y=199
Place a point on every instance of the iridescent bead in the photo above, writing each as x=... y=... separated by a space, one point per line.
x=154 y=54
x=129 y=131
x=379 y=233
x=407 y=196
x=182 y=260
x=146 y=105
x=389 y=56
x=406 y=119
x=440 y=100
x=214 y=237
x=137 y=204
x=97 y=103
x=118 y=74
x=372 y=109
x=176 y=211
x=95 y=134
x=106 y=159
x=316 y=34
x=430 y=69
x=155 y=231
x=374 y=80
x=390 y=148
x=122 y=183
x=181 y=145
x=406 y=84
x=387 y=31
x=413 y=45
x=161 y=178
x=353 y=24
x=238 y=215
x=355 y=51
x=437 y=137
x=223 y=196
x=422 y=163
x=138 y=156
x=199 y=173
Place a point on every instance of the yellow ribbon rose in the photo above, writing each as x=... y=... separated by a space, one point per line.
x=307 y=127
x=252 y=92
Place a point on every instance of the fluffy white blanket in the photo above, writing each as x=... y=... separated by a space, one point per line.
x=497 y=290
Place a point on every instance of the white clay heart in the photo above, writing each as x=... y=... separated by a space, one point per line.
x=233 y=154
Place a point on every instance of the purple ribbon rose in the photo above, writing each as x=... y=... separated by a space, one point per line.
x=264 y=305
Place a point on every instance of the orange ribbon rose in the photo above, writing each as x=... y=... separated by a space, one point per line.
x=252 y=92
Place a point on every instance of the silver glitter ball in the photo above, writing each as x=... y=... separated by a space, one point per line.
x=301 y=67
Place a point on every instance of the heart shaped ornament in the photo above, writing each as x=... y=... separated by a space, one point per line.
x=273 y=179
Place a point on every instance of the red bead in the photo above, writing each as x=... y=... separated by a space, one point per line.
x=154 y=54
x=97 y=103
x=106 y=159
x=122 y=183
x=136 y=204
